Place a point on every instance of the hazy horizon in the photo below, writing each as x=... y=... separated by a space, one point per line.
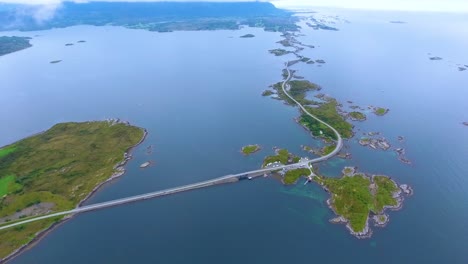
x=457 y=6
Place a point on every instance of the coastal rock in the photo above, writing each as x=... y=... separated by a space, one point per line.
x=380 y=220
x=406 y=189
x=435 y=58
x=146 y=164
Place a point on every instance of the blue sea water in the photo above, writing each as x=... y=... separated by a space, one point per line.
x=199 y=96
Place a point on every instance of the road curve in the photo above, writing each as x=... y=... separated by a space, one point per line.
x=339 y=142
x=221 y=180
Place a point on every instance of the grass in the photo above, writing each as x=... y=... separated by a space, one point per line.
x=384 y=194
x=357 y=115
x=7 y=150
x=60 y=166
x=8 y=185
x=352 y=198
x=380 y=111
x=291 y=176
x=250 y=149
x=328 y=149
x=327 y=112
x=282 y=155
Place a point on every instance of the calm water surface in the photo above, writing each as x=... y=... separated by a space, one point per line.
x=198 y=94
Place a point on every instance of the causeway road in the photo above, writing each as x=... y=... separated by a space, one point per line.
x=221 y=180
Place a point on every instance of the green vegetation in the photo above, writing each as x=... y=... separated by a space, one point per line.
x=250 y=149
x=60 y=166
x=327 y=112
x=291 y=176
x=155 y=16
x=8 y=185
x=353 y=198
x=282 y=155
x=328 y=149
x=7 y=150
x=380 y=111
x=279 y=52
x=357 y=116
x=267 y=93
x=247 y=36
x=12 y=44
x=384 y=194
x=298 y=90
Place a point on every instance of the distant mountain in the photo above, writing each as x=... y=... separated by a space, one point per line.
x=157 y=16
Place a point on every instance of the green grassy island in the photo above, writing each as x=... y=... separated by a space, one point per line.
x=57 y=170
x=357 y=116
x=380 y=111
x=13 y=44
x=356 y=197
x=281 y=156
x=250 y=149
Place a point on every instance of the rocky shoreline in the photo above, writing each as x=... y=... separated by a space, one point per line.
x=120 y=170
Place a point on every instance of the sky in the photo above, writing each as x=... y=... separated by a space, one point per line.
x=405 y=5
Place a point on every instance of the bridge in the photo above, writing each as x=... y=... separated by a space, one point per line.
x=217 y=181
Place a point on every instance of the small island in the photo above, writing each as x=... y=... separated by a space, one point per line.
x=357 y=197
x=81 y=41
x=69 y=44
x=380 y=111
x=13 y=44
x=279 y=52
x=58 y=170
x=247 y=36
x=55 y=61
x=281 y=157
x=465 y=123
x=357 y=116
x=250 y=149
x=435 y=58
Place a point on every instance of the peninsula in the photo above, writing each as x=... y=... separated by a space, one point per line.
x=57 y=170
x=13 y=44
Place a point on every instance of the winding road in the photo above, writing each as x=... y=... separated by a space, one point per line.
x=221 y=180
